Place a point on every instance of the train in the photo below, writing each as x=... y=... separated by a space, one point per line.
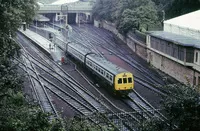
x=118 y=80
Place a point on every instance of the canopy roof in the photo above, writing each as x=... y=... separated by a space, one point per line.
x=176 y=39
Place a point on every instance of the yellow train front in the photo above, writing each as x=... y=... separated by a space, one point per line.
x=123 y=83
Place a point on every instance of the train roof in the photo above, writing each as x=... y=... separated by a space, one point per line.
x=114 y=69
x=80 y=47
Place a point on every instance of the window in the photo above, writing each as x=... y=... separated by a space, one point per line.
x=129 y=80
x=120 y=81
x=198 y=80
x=124 y=80
x=107 y=75
x=196 y=58
x=101 y=71
x=98 y=69
x=190 y=55
x=194 y=80
x=175 y=51
x=180 y=53
x=110 y=78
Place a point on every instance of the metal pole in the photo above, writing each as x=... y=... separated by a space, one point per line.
x=53 y=22
x=67 y=16
x=36 y=25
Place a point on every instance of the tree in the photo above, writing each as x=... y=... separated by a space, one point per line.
x=182 y=109
x=16 y=113
x=180 y=7
x=140 y=15
x=104 y=9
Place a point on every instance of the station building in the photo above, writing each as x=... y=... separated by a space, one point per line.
x=176 y=49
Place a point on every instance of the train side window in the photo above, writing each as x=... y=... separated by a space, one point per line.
x=124 y=80
x=120 y=81
x=101 y=71
x=110 y=77
x=107 y=75
x=129 y=80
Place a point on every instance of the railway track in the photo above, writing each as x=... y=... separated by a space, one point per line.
x=41 y=94
x=150 y=83
x=144 y=107
x=100 y=39
x=80 y=106
x=104 y=41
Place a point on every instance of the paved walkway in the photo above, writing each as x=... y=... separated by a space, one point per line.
x=47 y=45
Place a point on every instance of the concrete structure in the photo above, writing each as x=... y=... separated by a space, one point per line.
x=47 y=46
x=187 y=25
x=173 y=52
x=60 y=10
x=176 y=50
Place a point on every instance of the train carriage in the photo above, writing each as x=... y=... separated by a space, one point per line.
x=118 y=79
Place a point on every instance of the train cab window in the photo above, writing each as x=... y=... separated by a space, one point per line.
x=124 y=80
x=129 y=80
x=120 y=81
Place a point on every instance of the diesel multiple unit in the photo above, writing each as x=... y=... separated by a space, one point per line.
x=119 y=80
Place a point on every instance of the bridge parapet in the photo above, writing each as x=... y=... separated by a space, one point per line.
x=76 y=7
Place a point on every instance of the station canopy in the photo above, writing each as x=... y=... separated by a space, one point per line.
x=187 y=25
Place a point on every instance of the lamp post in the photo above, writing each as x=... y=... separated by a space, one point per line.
x=163 y=15
x=66 y=17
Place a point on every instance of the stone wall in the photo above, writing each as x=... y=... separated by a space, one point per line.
x=140 y=47
x=137 y=46
x=172 y=68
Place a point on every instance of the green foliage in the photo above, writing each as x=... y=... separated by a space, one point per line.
x=77 y=124
x=128 y=21
x=103 y=9
x=174 y=8
x=16 y=114
x=141 y=15
x=180 y=7
x=127 y=14
x=154 y=124
x=182 y=109
x=13 y=12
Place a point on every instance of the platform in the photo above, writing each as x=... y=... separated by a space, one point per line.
x=45 y=44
